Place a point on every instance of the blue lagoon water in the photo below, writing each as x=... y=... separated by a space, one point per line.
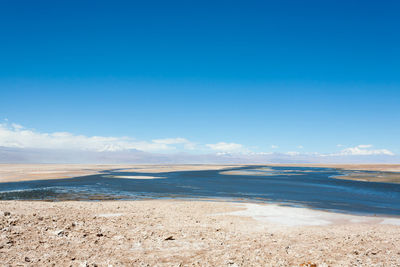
x=296 y=186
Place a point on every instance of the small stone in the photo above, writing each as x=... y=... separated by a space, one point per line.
x=7 y=213
x=169 y=238
x=27 y=259
x=60 y=232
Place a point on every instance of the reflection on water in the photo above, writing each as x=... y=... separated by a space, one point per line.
x=312 y=187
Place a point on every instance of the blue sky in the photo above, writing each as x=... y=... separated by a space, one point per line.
x=280 y=76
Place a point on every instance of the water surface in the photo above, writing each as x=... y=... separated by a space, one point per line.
x=295 y=186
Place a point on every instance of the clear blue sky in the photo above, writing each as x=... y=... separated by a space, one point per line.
x=258 y=73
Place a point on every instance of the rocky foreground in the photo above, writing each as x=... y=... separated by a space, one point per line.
x=180 y=233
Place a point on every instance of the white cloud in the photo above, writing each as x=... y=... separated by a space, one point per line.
x=300 y=147
x=274 y=147
x=15 y=135
x=17 y=126
x=176 y=141
x=365 y=150
x=226 y=147
x=365 y=146
x=170 y=141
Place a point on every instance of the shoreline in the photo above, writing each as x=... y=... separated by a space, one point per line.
x=30 y=172
x=387 y=173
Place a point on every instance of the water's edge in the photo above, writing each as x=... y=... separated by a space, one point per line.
x=309 y=187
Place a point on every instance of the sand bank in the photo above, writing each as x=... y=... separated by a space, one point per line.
x=362 y=167
x=265 y=171
x=190 y=233
x=388 y=173
x=134 y=177
x=28 y=172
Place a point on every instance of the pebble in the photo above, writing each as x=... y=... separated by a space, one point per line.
x=60 y=233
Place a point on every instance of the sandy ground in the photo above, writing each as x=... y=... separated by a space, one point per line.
x=190 y=233
x=26 y=172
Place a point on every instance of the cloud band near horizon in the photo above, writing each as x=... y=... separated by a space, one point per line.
x=15 y=135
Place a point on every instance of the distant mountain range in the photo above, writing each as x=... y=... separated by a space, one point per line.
x=34 y=155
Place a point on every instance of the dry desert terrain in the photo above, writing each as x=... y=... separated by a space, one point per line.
x=189 y=233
